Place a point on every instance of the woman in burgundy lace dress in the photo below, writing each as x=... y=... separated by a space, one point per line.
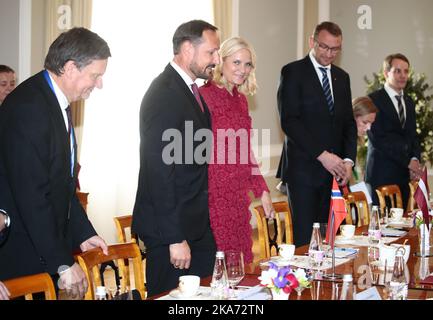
x=233 y=171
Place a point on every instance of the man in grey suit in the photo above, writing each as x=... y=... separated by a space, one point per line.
x=314 y=102
x=171 y=213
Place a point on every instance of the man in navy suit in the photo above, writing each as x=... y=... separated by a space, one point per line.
x=171 y=213
x=314 y=102
x=38 y=165
x=393 y=149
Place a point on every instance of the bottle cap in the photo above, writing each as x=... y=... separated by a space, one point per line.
x=347 y=277
x=220 y=254
x=316 y=225
x=100 y=291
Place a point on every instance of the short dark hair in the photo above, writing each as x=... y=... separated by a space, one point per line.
x=387 y=63
x=79 y=45
x=329 y=26
x=6 y=69
x=190 y=31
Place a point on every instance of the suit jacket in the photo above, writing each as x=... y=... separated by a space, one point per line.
x=309 y=127
x=172 y=197
x=36 y=187
x=391 y=147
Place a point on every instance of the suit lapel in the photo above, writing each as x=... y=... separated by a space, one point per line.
x=181 y=87
x=317 y=84
x=390 y=109
x=57 y=116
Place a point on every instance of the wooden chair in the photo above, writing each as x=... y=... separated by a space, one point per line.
x=83 y=198
x=122 y=223
x=90 y=261
x=28 y=285
x=357 y=202
x=411 y=204
x=280 y=234
x=389 y=197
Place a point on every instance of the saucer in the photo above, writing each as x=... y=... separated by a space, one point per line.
x=343 y=240
x=177 y=294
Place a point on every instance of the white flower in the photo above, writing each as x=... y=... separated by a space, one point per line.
x=266 y=279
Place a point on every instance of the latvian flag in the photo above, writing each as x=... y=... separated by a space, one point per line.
x=337 y=211
x=422 y=197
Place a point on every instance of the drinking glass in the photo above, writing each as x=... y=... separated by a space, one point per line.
x=235 y=269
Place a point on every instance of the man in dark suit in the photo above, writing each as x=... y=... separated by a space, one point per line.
x=171 y=212
x=38 y=164
x=393 y=148
x=316 y=116
x=4 y=227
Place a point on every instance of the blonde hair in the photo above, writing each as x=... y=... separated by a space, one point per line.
x=229 y=47
x=363 y=106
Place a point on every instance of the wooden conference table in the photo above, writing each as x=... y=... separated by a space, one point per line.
x=364 y=270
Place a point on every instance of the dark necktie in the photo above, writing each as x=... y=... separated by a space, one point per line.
x=327 y=90
x=194 y=87
x=71 y=138
x=400 y=111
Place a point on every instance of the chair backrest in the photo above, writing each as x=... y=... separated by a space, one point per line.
x=411 y=204
x=123 y=223
x=280 y=234
x=28 y=285
x=357 y=202
x=90 y=261
x=389 y=197
x=82 y=198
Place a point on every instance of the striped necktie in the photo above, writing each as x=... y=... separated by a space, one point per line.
x=327 y=90
x=401 y=111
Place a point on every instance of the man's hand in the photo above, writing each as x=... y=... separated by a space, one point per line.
x=415 y=169
x=180 y=255
x=74 y=281
x=94 y=242
x=267 y=205
x=333 y=164
x=4 y=292
x=342 y=181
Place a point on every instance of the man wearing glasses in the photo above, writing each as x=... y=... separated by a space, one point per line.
x=314 y=102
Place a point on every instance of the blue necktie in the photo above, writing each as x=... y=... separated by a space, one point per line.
x=401 y=111
x=71 y=138
x=327 y=90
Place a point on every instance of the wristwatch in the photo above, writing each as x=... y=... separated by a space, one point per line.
x=7 y=219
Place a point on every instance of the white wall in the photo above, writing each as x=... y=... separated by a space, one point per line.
x=397 y=26
x=9 y=33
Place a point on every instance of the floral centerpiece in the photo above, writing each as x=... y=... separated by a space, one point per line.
x=282 y=281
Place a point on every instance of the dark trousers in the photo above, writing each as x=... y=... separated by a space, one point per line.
x=309 y=204
x=161 y=276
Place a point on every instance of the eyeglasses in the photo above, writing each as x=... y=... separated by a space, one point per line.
x=333 y=50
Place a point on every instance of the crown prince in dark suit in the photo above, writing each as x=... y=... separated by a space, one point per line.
x=171 y=213
x=314 y=102
x=38 y=163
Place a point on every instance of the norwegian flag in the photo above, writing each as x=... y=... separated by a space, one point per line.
x=337 y=211
x=422 y=197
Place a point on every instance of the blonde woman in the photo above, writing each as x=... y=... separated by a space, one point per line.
x=233 y=171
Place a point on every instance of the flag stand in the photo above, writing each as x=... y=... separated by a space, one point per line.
x=424 y=234
x=333 y=276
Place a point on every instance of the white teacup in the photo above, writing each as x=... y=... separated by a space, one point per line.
x=188 y=285
x=396 y=214
x=286 y=251
x=388 y=253
x=347 y=231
